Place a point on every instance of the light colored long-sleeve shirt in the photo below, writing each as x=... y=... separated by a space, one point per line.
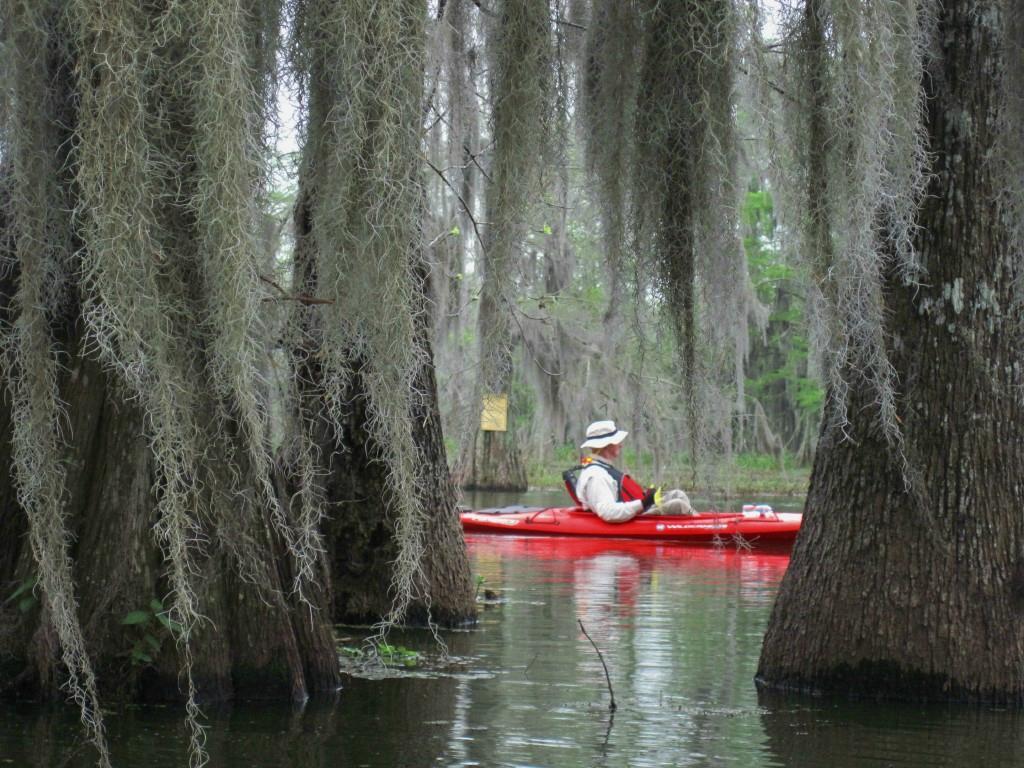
x=600 y=494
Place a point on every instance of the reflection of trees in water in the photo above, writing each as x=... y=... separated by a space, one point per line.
x=398 y=722
x=679 y=627
x=843 y=734
x=404 y=722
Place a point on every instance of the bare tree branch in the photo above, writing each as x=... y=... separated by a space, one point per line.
x=455 y=192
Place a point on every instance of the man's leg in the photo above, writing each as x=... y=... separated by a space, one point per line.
x=675 y=502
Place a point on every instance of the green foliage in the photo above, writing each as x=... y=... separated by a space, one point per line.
x=545 y=471
x=24 y=595
x=149 y=628
x=390 y=655
x=756 y=461
x=750 y=473
x=809 y=394
x=137 y=617
x=764 y=258
x=778 y=371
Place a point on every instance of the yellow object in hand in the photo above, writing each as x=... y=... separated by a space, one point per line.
x=657 y=496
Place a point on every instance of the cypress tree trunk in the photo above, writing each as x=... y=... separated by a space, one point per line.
x=256 y=642
x=256 y=645
x=362 y=139
x=520 y=39
x=360 y=526
x=495 y=465
x=360 y=174
x=919 y=593
x=492 y=461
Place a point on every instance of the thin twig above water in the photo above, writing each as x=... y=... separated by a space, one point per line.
x=612 y=706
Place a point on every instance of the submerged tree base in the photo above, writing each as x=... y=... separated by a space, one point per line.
x=905 y=580
x=886 y=680
x=496 y=465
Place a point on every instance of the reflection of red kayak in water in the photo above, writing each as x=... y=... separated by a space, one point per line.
x=757 y=527
x=574 y=553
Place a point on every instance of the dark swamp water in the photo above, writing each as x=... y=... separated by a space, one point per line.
x=679 y=628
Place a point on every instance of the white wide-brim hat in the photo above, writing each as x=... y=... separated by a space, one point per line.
x=602 y=433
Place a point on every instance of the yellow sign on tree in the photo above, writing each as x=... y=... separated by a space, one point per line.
x=494 y=415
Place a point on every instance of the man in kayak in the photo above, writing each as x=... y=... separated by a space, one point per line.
x=596 y=484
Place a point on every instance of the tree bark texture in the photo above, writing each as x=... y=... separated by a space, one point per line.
x=255 y=644
x=496 y=464
x=492 y=461
x=915 y=589
x=360 y=527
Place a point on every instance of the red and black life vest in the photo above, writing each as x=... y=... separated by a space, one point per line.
x=629 y=489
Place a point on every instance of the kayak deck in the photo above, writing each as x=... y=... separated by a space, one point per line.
x=754 y=526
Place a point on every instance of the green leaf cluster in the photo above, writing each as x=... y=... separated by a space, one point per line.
x=781 y=364
x=150 y=627
x=390 y=655
x=24 y=595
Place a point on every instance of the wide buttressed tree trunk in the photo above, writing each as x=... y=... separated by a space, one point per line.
x=255 y=645
x=907 y=580
x=138 y=496
x=372 y=458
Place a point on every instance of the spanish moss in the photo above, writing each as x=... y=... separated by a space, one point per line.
x=610 y=85
x=42 y=241
x=364 y=83
x=521 y=85
x=853 y=160
x=145 y=284
x=231 y=105
x=684 y=193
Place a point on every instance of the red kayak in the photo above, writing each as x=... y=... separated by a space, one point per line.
x=754 y=526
